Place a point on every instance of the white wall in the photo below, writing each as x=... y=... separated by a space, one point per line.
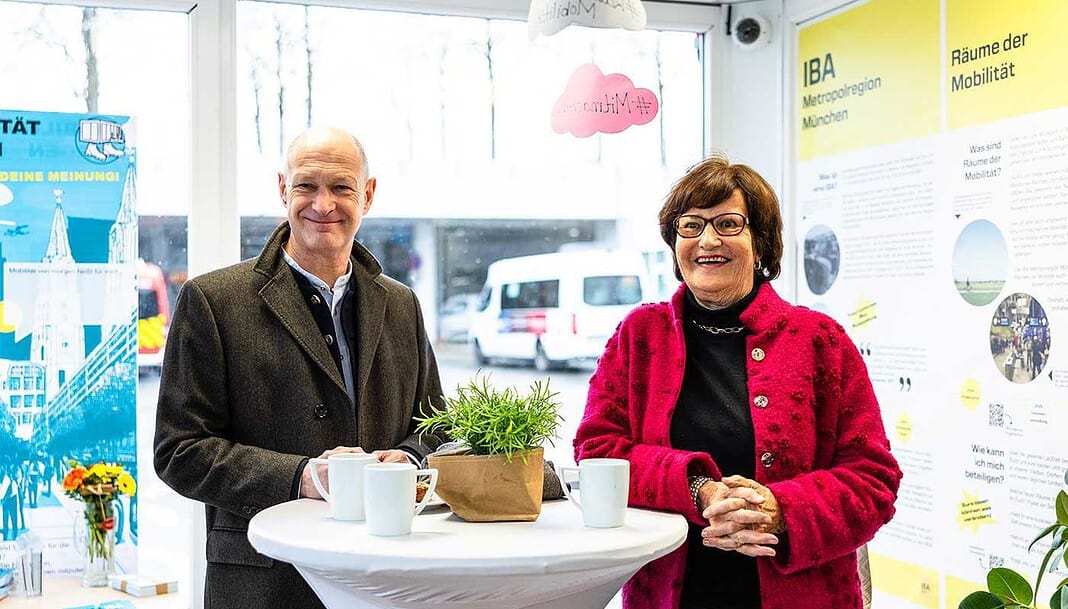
x=747 y=112
x=750 y=116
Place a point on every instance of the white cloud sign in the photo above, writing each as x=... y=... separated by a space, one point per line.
x=548 y=17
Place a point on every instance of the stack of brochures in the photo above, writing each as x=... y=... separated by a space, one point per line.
x=143 y=585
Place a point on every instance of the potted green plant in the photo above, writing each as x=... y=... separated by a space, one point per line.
x=1007 y=588
x=500 y=476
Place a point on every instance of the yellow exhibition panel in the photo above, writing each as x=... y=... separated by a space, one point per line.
x=1004 y=60
x=863 y=84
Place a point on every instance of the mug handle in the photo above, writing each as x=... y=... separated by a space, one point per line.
x=433 y=474
x=315 y=477
x=562 y=471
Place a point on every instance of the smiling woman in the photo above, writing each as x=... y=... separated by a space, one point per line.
x=743 y=413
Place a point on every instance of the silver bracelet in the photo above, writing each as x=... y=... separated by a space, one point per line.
x=696 y=482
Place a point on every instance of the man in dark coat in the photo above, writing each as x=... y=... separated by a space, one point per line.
x=307 y=350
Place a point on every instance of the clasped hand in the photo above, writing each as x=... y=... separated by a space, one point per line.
x=741 y=514
x=307 y=488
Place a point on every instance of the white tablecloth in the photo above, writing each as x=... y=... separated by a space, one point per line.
x=449 y=563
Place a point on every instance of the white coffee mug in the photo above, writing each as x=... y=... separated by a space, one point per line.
x=345 y=474
x=389 y=496
x=604 y=485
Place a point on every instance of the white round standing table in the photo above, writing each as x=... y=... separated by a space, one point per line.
x=448 y=563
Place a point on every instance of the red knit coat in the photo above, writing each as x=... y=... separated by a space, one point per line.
x=820 y=445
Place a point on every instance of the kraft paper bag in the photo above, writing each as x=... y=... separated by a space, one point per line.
x=480 y=488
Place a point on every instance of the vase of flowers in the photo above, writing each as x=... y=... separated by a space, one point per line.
x=97 y=487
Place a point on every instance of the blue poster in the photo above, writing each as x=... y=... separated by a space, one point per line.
x=68 y=323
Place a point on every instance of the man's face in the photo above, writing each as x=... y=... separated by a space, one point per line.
x=325 y=196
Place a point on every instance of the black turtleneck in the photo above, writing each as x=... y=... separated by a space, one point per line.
x=712 y=415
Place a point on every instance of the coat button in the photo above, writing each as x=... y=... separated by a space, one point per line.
x=758 y=354
x=761 y=401
x=767 y=459
x=315 y=299
x=329 y=339
x=321 y=411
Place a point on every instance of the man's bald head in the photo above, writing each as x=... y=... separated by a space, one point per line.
x=320 y=137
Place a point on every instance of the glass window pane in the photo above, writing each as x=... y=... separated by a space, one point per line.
x=69 y=58
x=612 y=290
x=454 y=113
x=531 y=295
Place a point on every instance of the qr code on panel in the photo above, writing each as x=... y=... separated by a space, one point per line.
x=997 y=415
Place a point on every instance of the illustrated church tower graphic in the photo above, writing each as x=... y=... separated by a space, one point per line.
x=121 y=293
x=58 y=342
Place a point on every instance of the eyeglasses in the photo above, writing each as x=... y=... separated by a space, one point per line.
x=725 y=225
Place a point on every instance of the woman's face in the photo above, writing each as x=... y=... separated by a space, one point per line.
x=718 y=269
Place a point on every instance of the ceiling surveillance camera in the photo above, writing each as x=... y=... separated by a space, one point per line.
x=752 y=32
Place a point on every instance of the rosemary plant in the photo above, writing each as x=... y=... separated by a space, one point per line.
x=492 y=421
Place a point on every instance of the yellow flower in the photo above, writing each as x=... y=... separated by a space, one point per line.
x=126 y=483
x=99 y=470
x=113 y=470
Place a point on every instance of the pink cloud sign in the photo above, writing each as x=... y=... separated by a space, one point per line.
x=594 y=102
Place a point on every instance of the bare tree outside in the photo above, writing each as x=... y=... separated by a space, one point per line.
x=53 y=33
x=255 y=72
x=308 y=63
x=92 y=76
x=261 y=72
x=280 y=49
x=492 y=90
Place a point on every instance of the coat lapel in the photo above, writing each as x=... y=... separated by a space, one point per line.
x=370 y=319
x=283 y=297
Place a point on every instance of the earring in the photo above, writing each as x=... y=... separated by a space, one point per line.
x=759 y=267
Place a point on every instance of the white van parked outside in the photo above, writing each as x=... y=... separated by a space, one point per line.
x=555 y=309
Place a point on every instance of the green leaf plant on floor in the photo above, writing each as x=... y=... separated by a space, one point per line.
x=493 y=421
x=1007 y=588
